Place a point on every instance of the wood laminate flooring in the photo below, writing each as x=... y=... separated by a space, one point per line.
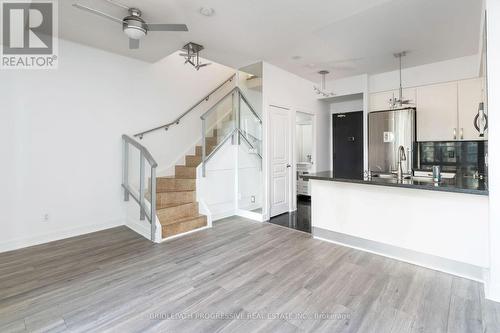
x=239 y=276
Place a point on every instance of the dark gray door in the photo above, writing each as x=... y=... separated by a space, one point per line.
x=348 y=145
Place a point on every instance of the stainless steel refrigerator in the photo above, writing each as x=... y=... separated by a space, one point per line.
x=387 y=131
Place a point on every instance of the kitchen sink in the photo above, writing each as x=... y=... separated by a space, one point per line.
x=384 y=176
x=422 y=179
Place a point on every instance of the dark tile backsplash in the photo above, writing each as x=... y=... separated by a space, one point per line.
x=466 y=157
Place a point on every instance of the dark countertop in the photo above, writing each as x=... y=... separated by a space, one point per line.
x=460 y=184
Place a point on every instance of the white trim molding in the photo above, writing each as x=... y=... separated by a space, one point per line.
x=57 y=235
x=457 y=268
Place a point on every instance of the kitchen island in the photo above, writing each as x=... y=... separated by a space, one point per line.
x=442 y=226
x=459 y=184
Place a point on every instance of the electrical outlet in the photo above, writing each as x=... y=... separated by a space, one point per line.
x=252 y=199
x=45 y=217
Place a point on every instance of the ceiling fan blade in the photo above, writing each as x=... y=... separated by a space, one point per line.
x=203 y=65
x=116 y=3
x=97 y=12
x=185 y=55
x=167 y=27
x=133 y=44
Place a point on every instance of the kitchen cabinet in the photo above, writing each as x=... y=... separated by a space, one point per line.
x=470 y=94
x=380 y=101
x=437 y=117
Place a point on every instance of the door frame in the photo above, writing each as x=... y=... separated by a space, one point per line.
x=268 y=154
x=365 y=138
x=294 y=149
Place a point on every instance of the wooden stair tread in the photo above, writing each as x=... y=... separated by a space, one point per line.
x=176 y=205
x=183 y=226
x=182 y=220
x=170 y=205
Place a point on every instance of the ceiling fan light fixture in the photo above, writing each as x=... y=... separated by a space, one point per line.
x=134 y=32
x=134 y=26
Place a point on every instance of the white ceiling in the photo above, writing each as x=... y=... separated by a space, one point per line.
x=347 y=37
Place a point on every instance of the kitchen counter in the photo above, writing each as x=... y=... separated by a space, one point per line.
x=444 y=227
x=459 y=184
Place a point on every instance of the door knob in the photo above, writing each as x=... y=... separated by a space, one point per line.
x=288 y=166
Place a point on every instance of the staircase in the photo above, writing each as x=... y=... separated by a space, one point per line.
x=172 y=200
x=176 y=205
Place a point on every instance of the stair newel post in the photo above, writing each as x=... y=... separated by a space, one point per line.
x=203 y=146
x=141 y=186
x=152 y=186
x=236 y=114
x=125 y=149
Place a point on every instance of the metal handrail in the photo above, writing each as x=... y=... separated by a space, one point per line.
x=249 y=105
x=226 y=138
x=238 y=90
x=178 y=119
x=145 y=155
x=214 y=107
x=246 y=133
x=141 y=148
x=248 y=142
x=237 y=131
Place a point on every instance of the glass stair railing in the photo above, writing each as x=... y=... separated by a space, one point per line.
x=233 y=118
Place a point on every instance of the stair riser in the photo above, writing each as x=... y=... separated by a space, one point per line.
x=172 y=184
x=169 y=198
x=179 y=228
x=211 y=141
x=171 y=214
x=185 y=172
x=193 y=161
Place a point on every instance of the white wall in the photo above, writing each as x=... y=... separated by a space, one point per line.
x=61 y=136
x=285 y=89
x=457 y=229
x=443 y=71
x=348 y=85
x=349 y=105
x=217 y=189
x=493 y=12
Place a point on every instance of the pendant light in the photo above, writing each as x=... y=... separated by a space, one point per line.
x=322 y=91
x=399 y=102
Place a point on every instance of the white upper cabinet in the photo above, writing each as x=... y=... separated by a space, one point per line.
x=380 y=101
x=437 y=117
x=445 y=112
x=470 y=94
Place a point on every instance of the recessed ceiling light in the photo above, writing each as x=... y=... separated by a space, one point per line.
x=207 y=11
x=297 y=57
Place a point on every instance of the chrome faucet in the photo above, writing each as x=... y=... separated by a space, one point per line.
x=402 y=157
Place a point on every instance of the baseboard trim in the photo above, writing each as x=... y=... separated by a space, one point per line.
x=184 y=234
x=57 y=235
x=250 y=215
x=222 y=215
x=445 y=265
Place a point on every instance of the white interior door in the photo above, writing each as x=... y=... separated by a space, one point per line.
x=280 y=182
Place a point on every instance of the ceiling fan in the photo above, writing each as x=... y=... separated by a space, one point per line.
x=133 y=25
x=192 y=55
